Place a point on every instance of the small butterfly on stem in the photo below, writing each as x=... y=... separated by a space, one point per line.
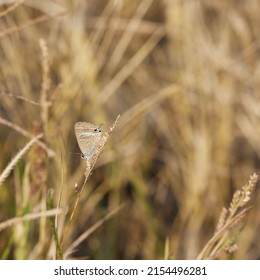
x=88 y=137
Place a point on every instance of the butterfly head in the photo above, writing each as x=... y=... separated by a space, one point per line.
x=98 y=129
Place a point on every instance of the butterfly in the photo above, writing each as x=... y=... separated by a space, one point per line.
x=88 y=137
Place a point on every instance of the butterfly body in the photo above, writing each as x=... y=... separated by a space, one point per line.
x=88 y=137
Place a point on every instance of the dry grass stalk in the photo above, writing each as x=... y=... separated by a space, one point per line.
x=90 y=230
x=18 y=156
x=25 y=133
x=90 y=165
x=122 y=25
x=30 y=217
x=11 y=8
x=46 y=83
x=130 y=67
x=211 y=125
x=34 y=21
x=19 y=97
x=148 y=102
x=126 y=38
x=99 y=149
x=224 y=238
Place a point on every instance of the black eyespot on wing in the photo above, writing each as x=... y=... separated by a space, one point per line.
x=95 y=129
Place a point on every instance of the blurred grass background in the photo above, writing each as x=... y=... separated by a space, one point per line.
x=185 y=77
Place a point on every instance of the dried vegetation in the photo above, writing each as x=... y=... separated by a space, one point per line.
x=185 y=78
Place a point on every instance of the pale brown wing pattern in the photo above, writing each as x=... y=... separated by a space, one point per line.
x=88 y=136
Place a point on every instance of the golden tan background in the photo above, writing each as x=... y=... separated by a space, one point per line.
x=185 y=78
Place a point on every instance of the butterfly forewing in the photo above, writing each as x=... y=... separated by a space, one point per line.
x=88 y=136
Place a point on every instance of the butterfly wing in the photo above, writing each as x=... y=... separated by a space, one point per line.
x=87 y=136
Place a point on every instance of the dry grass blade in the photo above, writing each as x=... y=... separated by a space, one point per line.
x=19 y=97
x=148 y=103
x=19 y=155
x=31 y=216
x=19 y=129
x=129 y=68
x=186 y=84
x=86 y=234
x=29 y=23
x=46 y=83
x=126 y=38
x=122 y=25
x=11 y=8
